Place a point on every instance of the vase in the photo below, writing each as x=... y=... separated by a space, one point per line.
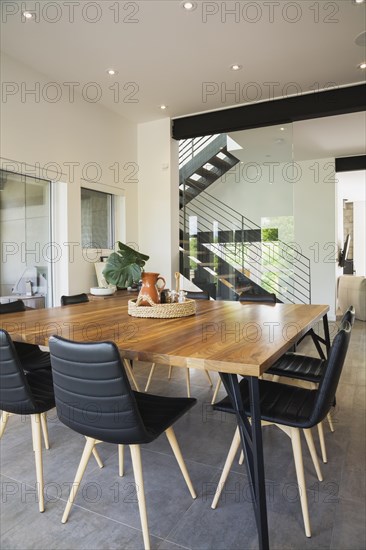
x=149 y=287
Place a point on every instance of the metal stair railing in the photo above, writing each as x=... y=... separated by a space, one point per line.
x=189 y=148
x=274 y=258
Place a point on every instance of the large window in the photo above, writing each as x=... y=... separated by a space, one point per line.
x=26 y=244
x=96 y=219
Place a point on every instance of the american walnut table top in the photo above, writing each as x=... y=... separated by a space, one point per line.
x=222 y=336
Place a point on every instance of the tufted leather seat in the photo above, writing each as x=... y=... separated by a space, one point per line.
x=94 y=398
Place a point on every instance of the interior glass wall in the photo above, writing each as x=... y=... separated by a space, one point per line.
x=237 y=214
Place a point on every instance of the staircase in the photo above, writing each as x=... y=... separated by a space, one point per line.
x=225 y=252
x=202 y=161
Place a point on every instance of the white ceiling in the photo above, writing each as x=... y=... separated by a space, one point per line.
x=164 y=54
x=170 y=55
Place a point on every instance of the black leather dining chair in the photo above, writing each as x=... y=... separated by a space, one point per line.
x=25 y=394
x=291 y=409
x=82 y=299
x=90 y=376
x=74 y=299
x=191 y=295
x=303 y=368
x=32 y=359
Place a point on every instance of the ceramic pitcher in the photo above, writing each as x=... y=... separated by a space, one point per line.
x=149 y=287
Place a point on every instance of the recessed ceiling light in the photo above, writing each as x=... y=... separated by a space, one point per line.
x=362 y=66
x=236 y=67
x=282 y=128
x=189 y=6
x=163 y=107
x=112 y=72
x=28 y=14
x=358 y=1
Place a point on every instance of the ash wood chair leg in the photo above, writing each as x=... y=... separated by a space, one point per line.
x=235 y=444
x=208 y=377
x=170 y=372
x=178 y=455
x=139 y=480
x=45 y=430
x=218 y=384
x=309 y=440
x=120 y=461
x=296 y=448
x=322 y=442
x=150 y=376
x=130 y=373
x=88 y=449
x=188 y=381
x=37 y=442
x=241 y=458
x=330 y=422
x=97 y=458
x=4 y=420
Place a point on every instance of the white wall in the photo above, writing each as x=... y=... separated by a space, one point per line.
x=37 y=132
x=315 y=228
x=351 y=186
x=158 y=198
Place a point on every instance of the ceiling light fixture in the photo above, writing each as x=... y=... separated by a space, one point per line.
x=112 y=72
x=236 y=67
x=163 y=107
x=358 y=1
x=189 y=6
x=282 y=128
x=28 y=14
x=362 y=66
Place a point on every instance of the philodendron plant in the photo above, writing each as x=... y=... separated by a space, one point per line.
x=123 y=268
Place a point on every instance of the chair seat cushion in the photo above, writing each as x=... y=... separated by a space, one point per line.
x=159 y=413
x=279 y=403
x=32 y=357
x=298 y=366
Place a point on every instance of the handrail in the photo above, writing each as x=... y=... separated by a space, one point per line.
x=292 y=275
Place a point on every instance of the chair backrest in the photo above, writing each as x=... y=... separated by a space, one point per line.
x=12 y=307
x=92 y=391
x=199 y=295
x=15 y=394
x=74 y=299
x=332 y=373
x=258 y=298
x=349 y=316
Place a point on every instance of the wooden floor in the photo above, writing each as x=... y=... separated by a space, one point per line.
x=106 y=512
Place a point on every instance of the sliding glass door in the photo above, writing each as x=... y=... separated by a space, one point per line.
x=26 y=247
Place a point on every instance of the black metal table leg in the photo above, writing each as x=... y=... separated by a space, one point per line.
x=326 y=333
x=251 y=438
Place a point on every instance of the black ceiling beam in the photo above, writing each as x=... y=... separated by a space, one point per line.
x=350 y=164
x=339 y=101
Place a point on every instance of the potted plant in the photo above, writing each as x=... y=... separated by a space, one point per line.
x=124 y=267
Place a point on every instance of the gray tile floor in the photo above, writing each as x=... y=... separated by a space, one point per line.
x=106 y=514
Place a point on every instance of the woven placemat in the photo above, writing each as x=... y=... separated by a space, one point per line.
x=161 y=311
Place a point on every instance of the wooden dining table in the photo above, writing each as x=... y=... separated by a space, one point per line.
x=231 y=338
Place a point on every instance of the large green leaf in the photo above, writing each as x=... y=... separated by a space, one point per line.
x=124 y=266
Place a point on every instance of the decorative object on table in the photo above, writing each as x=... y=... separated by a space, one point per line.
x=182 y=296
x=124 y=267
x=150 y=289
x=165 y=296
x=102 y=291
x=160 y=311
